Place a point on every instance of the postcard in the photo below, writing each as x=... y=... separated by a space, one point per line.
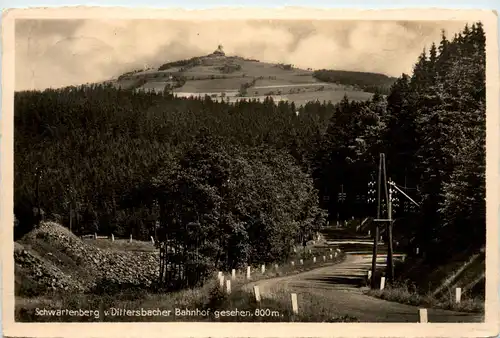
x=287 y=172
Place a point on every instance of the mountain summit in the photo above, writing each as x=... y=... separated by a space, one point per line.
x=219 y=51
x=233 y=78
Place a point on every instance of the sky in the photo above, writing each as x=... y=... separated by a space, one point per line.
x=56 y=53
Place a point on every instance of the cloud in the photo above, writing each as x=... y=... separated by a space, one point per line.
x=55 y=53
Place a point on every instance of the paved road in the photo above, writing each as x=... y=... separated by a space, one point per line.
x=342 y=285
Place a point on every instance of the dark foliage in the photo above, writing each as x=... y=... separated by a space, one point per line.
x=238 y=183
x=369 y=82
x=181 y=63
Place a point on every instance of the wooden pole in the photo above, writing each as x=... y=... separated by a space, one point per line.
x=295 y=305
x=376 y=235
x=458 y=295
x=256 y=293
x=70 y=217
x=423 y=315
x=382 y=283
x=390 y=261
x=37 y=195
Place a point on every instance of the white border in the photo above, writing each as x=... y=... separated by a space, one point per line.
x=189 y=329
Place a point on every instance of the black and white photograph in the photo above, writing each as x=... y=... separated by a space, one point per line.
x=251 y=170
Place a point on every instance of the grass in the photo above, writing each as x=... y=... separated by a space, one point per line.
x=210 y=296
x=267 y=74
x=208 y=303
x=286 y=269
x=28 y=310
x=275 y=308
x=216 y=85
x=407 y=293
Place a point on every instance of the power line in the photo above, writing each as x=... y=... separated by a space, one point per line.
x=401 y=191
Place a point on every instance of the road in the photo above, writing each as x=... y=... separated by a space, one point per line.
x=342 y=285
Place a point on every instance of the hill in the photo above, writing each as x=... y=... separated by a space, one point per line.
x=233 y=78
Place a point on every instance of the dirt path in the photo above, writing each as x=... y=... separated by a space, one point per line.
x=341 y=285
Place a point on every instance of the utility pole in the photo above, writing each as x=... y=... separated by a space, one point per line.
x=38 y=176
x=341 y=199
x=376 y=232
x=390 y=262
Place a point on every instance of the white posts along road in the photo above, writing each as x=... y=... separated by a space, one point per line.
x=341 y=285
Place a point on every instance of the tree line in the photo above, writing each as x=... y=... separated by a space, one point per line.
x=369 y=82
x=236 y=183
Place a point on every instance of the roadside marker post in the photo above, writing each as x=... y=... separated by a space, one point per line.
x=221 y=281
x=423 y=315
x=295 y=305
x=248 y=272
x=228 y=286
x=130 y=240
x=233 y=274
x=95 y=235
x=382 y=283
x=152 y=240
x=458 y=294
x=324 y=259
x=112 y=238
x=301 y=262
x=263 y=268
x=256 y=293
x=314 y=259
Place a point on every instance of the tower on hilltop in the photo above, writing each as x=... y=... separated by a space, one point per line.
x=219 y=51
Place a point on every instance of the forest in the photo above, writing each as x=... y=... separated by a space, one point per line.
x=244 y=182
x=369 y=82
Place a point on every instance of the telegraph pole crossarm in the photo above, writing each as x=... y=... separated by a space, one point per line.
x=401 y=191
